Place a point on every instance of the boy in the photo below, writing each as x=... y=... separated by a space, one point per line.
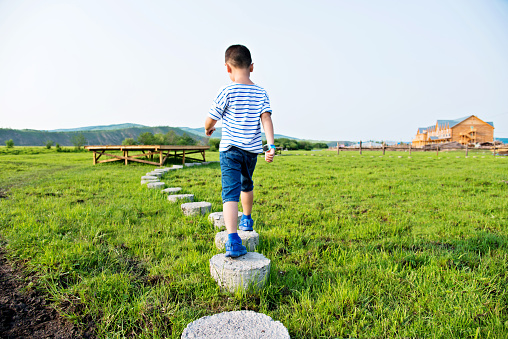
x=241 y=105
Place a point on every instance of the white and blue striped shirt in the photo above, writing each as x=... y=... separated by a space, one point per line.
x=240 y=107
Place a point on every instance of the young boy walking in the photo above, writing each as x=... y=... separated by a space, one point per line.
x=241 y=105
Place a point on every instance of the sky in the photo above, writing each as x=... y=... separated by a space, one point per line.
x=334 y=70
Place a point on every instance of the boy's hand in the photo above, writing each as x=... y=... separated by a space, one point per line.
x=269 y=155
x=210 y=131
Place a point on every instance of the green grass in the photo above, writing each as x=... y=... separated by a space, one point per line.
x=361 y=246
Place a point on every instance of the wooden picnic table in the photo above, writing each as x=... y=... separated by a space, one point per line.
x=147 y=152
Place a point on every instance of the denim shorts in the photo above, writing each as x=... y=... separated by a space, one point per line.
x=237 y=167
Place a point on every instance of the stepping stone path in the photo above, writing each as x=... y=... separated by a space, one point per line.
x=217 y=218
x=176 y=197
x=236 y=324
x=172 y=190
x=248 y=271
x=243 y=273
x=196 y=208
x=156 y=185
x=250 y=239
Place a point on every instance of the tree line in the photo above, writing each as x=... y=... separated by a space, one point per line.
x=285 y=143
x=78 y=140
x=170 y=138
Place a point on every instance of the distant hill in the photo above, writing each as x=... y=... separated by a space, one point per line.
x=218 y=133
x=114 y=135
x=98 y=128
x=93 y=137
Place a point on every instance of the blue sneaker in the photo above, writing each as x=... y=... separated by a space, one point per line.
x=246 y=224
x=235 y=249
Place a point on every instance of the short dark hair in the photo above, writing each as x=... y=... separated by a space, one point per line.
x=238 y=56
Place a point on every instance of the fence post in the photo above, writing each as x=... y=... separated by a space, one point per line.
x=337 y=148
x=437 y=150
x=360 y=147
x=410 y=149
x=467 y=150
x=384 y=147
x=494 y=148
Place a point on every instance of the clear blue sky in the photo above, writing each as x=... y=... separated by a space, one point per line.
x=335 y=70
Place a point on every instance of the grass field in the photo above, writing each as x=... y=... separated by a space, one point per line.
x=361 y=246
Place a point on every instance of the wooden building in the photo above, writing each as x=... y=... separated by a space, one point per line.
x=466 y=131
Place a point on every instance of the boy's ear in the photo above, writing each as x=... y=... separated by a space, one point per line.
x=251 y=68
x=228 y=67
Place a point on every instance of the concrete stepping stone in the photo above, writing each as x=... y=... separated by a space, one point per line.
x=190 y=164
x=148 y=181
x=149 y=177
x=217 y=218
x=400 y=156
x=248 y=271
x=196 y=208
x=172 y=190
x=155 y=185
x=177 y=166
x=236 y=324
x=249 y=239
x=165 y=169
x=154 y=174
x=176 y=197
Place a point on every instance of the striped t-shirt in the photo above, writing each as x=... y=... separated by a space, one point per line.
x=240 y=107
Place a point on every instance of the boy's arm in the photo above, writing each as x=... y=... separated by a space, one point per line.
x=266 y=120
x=209 y=126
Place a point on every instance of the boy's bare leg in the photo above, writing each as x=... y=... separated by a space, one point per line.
x=247 y=201
x=230 y=211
